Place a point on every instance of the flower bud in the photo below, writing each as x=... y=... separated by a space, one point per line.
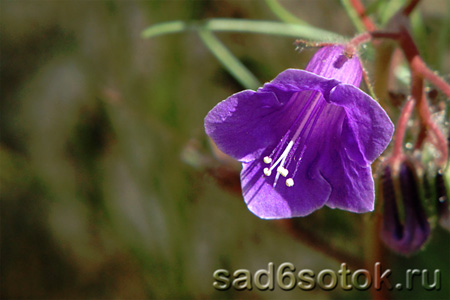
x=408 y=233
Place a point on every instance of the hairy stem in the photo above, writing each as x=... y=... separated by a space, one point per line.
x=402 y=124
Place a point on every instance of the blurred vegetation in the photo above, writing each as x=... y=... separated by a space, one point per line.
x=100 y=196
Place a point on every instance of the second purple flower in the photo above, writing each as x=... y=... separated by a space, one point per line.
x=306 y=139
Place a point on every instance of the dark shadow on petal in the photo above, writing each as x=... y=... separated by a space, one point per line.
x=391 y=217
x=368 y=129
x=255 y=172
x=340 y=61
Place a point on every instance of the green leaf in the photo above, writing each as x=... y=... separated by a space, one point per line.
x=228 y=60
x=247 y=26
x=272 y=28
x=164 y=28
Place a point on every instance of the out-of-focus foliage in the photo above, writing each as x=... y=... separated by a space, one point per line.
x=97 y=200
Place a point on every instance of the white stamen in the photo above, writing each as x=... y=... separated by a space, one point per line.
x=281 y=160
x=284 y=172
x=283 y=156
x=289 y=182
x=310 y=114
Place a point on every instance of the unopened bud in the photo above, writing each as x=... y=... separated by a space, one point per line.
x=408 y=234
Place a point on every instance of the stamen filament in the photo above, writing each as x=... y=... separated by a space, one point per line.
x=283 y=155
x=304 y=123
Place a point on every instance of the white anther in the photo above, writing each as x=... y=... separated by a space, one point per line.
x=284 y=172
x=267 y=160
x=289 y=182
x=280 y=162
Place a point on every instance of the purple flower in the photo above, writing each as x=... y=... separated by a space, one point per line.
x=305 y=139
x=408 y=234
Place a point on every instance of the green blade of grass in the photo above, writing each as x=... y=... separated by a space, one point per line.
x=272 y=28
x=165 y=28
x=228 y=60
x=225 y=57
x=245 y=26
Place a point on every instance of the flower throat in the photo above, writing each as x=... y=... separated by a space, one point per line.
x=298 y=135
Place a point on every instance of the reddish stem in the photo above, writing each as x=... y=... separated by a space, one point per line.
x=300 y=44
x=412 y=54
x=437 y=81
x=408 y=9
x=419 y=71
x=353 y=44
x=361 y=11
x=397 y=153
x=421 y=137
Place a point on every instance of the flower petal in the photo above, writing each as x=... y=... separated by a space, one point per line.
x=239 y=124
x=247 y=122
x=294 y=80
x=367 y=129
x=310 y=192
x=352 y=184
x=330 y=62
x=305 y=140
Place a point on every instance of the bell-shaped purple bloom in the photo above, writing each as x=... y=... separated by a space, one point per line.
x=410 y=234
x=305 y=139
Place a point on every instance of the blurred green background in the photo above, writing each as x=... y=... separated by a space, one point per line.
x=106 y=190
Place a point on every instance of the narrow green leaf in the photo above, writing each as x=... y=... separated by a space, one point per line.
x=283 y=14
x=228 y=60
x=164 y=28
x=273 y=28
x=247 y=26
